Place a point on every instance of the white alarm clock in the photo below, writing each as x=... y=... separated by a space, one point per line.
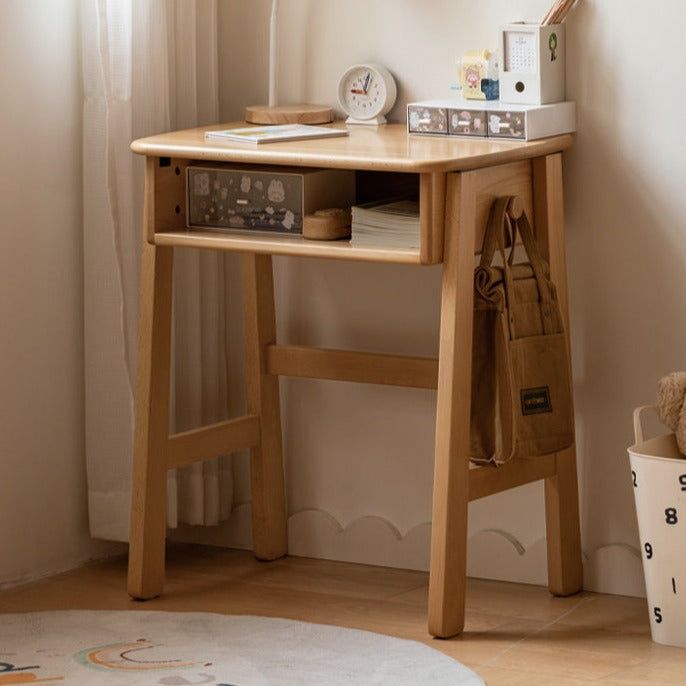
x=367 y=93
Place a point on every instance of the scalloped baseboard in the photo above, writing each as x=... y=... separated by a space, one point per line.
x=493 y=553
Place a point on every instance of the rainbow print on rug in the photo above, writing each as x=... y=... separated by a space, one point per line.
x=182 y=649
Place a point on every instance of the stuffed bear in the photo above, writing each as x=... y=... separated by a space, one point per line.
x=671 y=405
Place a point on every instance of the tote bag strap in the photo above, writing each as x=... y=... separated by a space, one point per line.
x=534 y=256
x=551 y=320
x=500 y=227
x=495 y=228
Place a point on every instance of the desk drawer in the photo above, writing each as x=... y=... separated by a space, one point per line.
x=427 y=120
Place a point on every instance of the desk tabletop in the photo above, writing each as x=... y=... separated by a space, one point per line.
x=386 y=148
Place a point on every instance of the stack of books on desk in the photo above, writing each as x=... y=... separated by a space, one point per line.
x=386 y=223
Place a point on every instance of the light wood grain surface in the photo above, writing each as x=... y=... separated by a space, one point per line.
x=387 y=148
x=451 y=462
x=515 y=635
x=565 y=568
x=286 y=245
x=149 y=491
x=222 y=438
x=347 y=365
x=267 y=489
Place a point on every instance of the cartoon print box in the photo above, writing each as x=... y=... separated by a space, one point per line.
x=263 y=199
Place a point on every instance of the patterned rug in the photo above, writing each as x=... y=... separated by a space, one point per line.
x=178 y=649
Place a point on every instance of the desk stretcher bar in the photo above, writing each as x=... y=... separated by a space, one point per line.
x=242 y=433
x=211 y=441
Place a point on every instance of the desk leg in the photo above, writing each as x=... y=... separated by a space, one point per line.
x=451 y=472
x=149 y=502
x=565 y=568
x=269 y=521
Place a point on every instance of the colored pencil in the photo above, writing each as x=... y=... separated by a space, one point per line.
x=558 y=12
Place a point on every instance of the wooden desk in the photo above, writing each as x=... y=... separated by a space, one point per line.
x=457 y=181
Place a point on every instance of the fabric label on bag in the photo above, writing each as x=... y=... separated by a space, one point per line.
x=536 y=400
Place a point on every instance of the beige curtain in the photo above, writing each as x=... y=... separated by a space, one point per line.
x=148 y=66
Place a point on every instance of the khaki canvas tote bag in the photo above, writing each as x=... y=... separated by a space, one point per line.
x=521 y=391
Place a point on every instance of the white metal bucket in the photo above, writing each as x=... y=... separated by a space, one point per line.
x=658 y=472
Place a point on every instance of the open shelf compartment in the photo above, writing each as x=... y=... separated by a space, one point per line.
x=166 y=223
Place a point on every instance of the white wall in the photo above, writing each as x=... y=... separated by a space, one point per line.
x=358 y=450
x=43 y=517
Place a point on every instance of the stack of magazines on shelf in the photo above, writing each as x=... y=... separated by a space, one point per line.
x=386 y=223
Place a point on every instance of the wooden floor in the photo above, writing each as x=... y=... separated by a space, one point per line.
x=515 y=634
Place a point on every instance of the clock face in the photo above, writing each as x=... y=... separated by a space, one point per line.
x=364 y=93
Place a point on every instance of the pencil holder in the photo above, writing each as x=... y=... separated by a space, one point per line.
x=532 y=68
